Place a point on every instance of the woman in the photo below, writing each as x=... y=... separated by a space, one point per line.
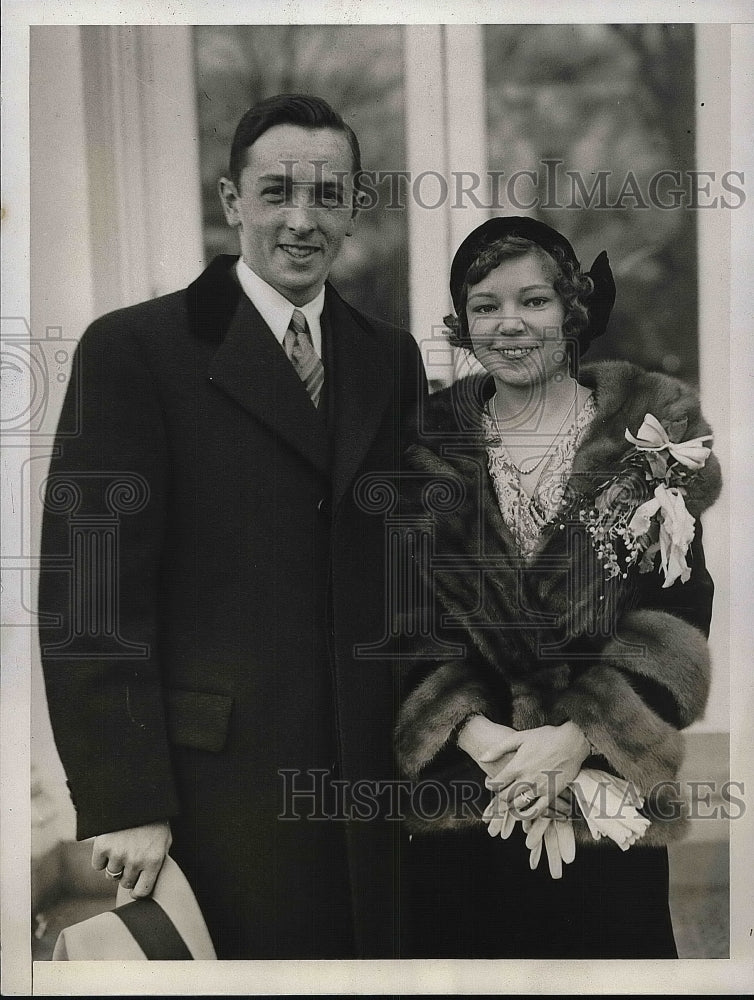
x=563 y=635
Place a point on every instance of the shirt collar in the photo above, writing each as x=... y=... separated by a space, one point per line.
x=275 y=309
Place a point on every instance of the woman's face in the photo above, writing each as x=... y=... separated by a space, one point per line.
x=515 y=320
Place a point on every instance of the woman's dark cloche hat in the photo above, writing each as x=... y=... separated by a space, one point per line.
x=603 y=298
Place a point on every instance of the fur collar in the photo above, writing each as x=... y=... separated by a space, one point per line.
x=623 y=394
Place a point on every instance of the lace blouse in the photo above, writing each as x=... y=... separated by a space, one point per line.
x=526 y=516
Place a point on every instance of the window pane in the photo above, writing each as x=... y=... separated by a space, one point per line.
x=617 y=99
x=358 y=69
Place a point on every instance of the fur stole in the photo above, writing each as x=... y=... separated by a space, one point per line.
x=553 y=638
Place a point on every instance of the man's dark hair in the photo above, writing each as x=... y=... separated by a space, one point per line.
x=287 y=109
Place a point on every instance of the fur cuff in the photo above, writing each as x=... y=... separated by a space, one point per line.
x=652 y=649
x=635 y=741
x=433 y=712
x=667 y=651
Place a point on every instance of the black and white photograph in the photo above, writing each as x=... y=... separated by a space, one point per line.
x=375 y=476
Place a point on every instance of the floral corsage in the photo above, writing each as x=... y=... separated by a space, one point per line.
x=625 y=526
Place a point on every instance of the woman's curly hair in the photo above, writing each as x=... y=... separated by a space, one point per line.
x=573 y=287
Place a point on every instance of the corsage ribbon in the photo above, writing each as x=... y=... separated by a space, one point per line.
x=652 y=436
x=676 y=531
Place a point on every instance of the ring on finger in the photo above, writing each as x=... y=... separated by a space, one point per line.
x=114 y=875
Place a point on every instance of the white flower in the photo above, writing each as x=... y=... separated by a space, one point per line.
x=676 y=530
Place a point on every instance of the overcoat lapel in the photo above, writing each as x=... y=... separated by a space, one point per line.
x=251 y=367
x=360 y=385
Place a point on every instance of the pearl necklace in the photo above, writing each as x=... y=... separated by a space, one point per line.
x=548 y=451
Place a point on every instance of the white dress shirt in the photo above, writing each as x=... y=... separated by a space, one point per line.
x=276 y=310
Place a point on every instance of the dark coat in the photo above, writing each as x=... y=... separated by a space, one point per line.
x=216 y=646
x=624 y=658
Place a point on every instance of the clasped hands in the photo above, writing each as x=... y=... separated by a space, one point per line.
x=529 y=772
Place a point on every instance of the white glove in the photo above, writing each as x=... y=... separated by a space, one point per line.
x=557 y=835
x=609 y=805
x=559 y=841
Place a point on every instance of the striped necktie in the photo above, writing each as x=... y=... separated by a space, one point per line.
x=298 y=345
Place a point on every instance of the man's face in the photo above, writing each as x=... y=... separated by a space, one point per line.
x=293 y=207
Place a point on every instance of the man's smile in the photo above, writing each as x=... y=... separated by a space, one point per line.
x=297 y=251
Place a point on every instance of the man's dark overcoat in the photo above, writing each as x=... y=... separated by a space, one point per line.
x=211 y=567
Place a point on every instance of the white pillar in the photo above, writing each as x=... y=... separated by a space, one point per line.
x=446 y=146
x=171 y=157
x=741 y=482
x=466 y=124
x=467 y=146
x=713 y=153
x=428 y=232
x=143 y=161
x=62 y=305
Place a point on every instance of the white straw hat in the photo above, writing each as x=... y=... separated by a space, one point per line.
x=168 y=925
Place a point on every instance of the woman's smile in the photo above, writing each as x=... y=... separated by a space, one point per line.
x=515 y=352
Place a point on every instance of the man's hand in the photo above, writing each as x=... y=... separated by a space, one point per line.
x=138 y=852
x=545 y=761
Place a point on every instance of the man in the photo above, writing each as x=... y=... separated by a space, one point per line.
x=227 y=426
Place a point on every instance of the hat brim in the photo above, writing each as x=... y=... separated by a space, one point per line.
x=167 y=926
